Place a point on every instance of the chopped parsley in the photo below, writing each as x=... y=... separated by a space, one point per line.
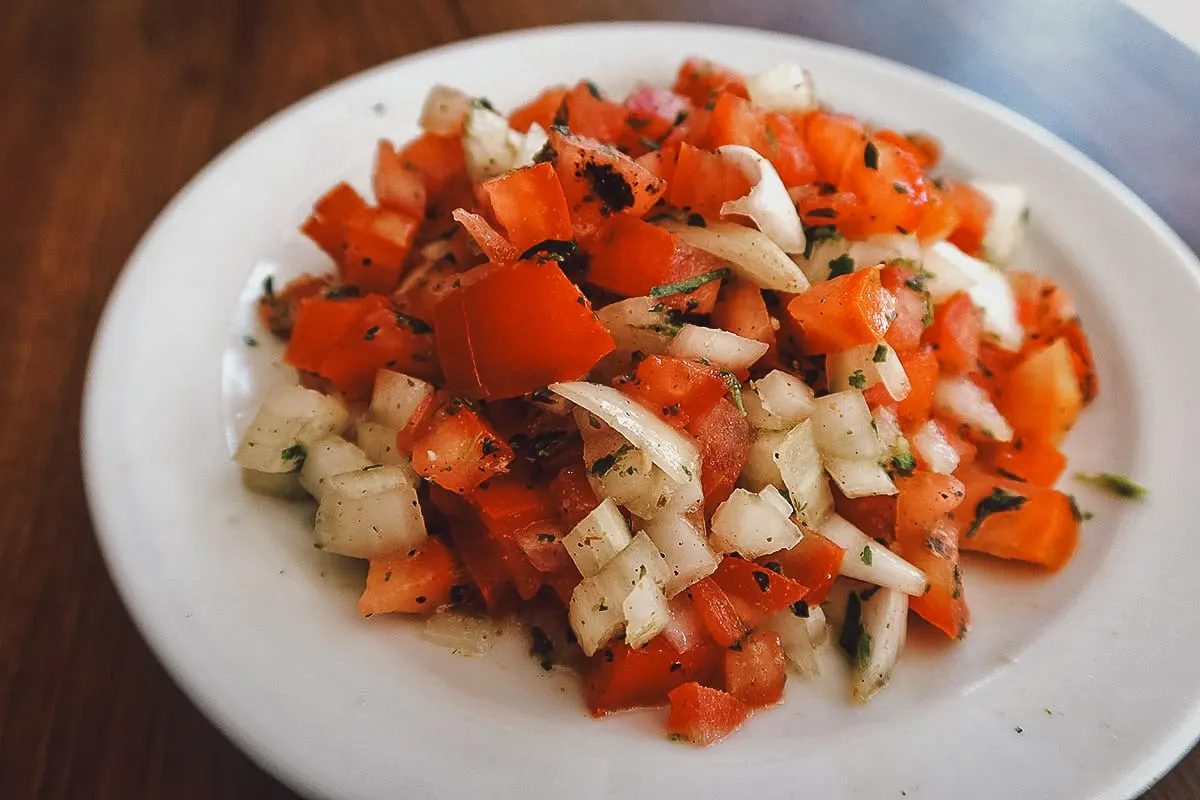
x=899 y=188
x=671 y=410
x=1117 y=485
x=735 y=390
x=854 y=641
x=294 y=453
x=916 y=282
x=871 y=156
x=482 y=102
x=268 y=287
x=996 y=502
x=842 y=265
x=602 y=465
x=857 y=380
x=688 y=285
x=867 y=555
x=880 y=354
x=609 y=185
x=904 y=463
x=541 y=647
x=249 y=341
x=414 y=324
x=1079 y=514
x=821 y=213
x=593 y=90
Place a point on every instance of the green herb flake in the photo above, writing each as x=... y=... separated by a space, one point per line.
x=371 y=333
x=996 y=502
x=817 y=233
x=867 y=555
x=899 y=188
x=294 y=453
x=1079 y=514
x=249 y=341
x=489 y=446
x=414 y=324
x=735 y=390
x=268 y=287
x=858 y=380
x=854 y=641
x=593 y=90
x=602 y=465
x=541 y=647
x=649 y=144
x=482 y=102
x=881 y=353
x=842 y=265
x=904 y=463
x=689 y=284
x=1116 y=485
x=671 y=410
x=821 y=213
x=916 y=282
x=871 y=156
x=551 y=250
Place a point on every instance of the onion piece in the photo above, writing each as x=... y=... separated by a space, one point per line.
x=1006 y=225
x=443 y=111
x=722 y=348
x=796 y=636
x=767 y=203
x=492 y=148
x=751 y=526
x=331 y=456
x=284 y=485
x=778 y=401
x=762 y=468
x=675 y=453
x=963 y=401
x=785 y=88
x=594 y=618
x=597 y=538
x=935 y=449
x=951 y=270
x=685 y=549
x=396 y=397
x=750 y=252
x=864 y=366
x=638 y=323
x=799 y=462
x=879 y=248
x=884 y=618
x=464 y=634
x=868 y=560
x=843 y=427
x=859 y=477
x=378 y=442
x=685 y=629
x=369 y=513
x=289 y=420
x=887 y=428
x=626 y=474
x=646 y=612
x=777 y=501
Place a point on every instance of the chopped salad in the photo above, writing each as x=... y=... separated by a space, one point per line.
x=710 y=377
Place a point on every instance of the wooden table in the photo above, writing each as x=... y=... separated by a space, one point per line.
x=110 y=107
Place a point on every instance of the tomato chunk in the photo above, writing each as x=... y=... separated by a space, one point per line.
x=815 y=562
x=704 y=716
x=1036 y=462
x=702 y=181
x=716 y=611
x=923 y=371
x=678 y=390
x=757 y=593
x=741 y=309
x=319 y=325
x=973 y=210
x=756 y=672
x=377 y=338
x=397 y=184
x=459 y=450
x=530 y=204
x=724 y=436
x=843 y=312
x=1041 y=396
x=955 y=334
x=622 y=677
x=414 y=582
x=574 y=494
x=586 y=112
x=439 y=160
x=934 y=551
x=700 y=80
x=1010 y=519
x=540 y=110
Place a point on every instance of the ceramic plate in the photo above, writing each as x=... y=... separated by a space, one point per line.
x=1078 y=684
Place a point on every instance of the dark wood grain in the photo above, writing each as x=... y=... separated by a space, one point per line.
x=109 y=108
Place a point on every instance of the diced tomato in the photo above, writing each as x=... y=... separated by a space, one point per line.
x=330 y=215
x=704 y=716
x=319 y=325
x=459 y=450
x=1036 y=462
x=756 y=672
x=1081 y=357
x=376 y=339
x=398 y=186
x=676 y=389
x=661 y=163
x=375 y=244
x=724 y=437
x=631 y=257
x=622 y=677
x=574 y=494
x=922 y=369
x=973 y=209
x=891 y=186
x=874 y=515
x=921 y=146
x=757 y=593
x=701 y=181
x=934 y=551
x=736 y=121
x=414 y=582
x=922 y=499
x=530 y=204
x=955 y=334
x=439 y=160
x=904 y=334
x=940 y=219
x=1040 y=397
x=843 y=312
x=833 y=140
x=516 y=330
x=741 y=309
x=716 y=612
x=700 y=80
x=599 y=181
x=420 y=421
x=482 y=557
x=509 y=507
x=651 y=116
x=815 y=562
x=1041 y=530
x=540 y=110
x=497 y=249
x=277 y=309
x=585 y=112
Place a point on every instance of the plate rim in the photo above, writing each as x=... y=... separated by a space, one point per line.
x=1150 y=768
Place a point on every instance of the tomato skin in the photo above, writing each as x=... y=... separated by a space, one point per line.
x=833 y=140
x=1042 y=531
x=540 y=110
x=716 y=612
x=377 y=339
x=736 y=121
x=702 y=181
x=588 y=115
x=676 y=389
x=815 y=562
x=398 y=186
x=524 y=516
x=756 y=593
x=529 y=203
x=1036 y=462
x=955 y=334
x=1040 y=396
x=924 y=148
x=459 y=451
x=935 y=552
x=724 y=436
x=740 y=309
x=414 y=582
x=756 y=673
x=622 y=677
x=874 y=515
x=375 y=244
x=320 y=323
x=843 y=312
x=703 y=715
x=923 y=371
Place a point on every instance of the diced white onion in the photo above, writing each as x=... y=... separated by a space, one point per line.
x=597 y=538
x=935 y=449
x=784 y=88
x=632 y=480
x=396 y=397
x=379 y=444
x=285 y=485
x=685 y=550
x=722 y=348
x=751 y=526
x=646 y=612
x=799 y=462
x=1006 y=225
x=868 y=560
x=879 y=248
x=859 y=477
x=369 y=513
x=635 y=326
x=842 y=425
x=492 y=148
x=685 y=629
x=289 y=420
x=867 y=365
x=463 y=634
x=594 y=618
x=777 y=501
x=887 y=427
x=963 y=401
x=331 y=456
x=767 y=203
x=778 y=401
x=796 y=636
x=951 y=270
x=443 y=112
x=636 y=560
x=762 y=468
x=750 y=252
x=675 y=453
x=884 y=619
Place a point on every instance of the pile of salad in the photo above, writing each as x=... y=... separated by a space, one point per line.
x=711 y=375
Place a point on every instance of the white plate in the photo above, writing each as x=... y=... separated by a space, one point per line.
x=1078 y=684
